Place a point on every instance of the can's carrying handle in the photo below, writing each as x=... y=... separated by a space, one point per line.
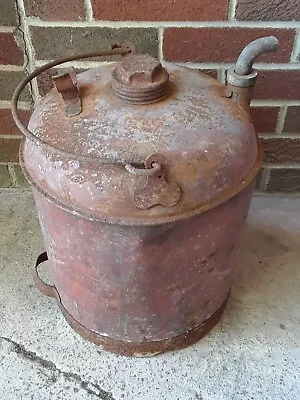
x=116 y=50
x=47 y=290
x=242 y=75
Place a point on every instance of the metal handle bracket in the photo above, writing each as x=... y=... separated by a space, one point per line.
x=151 y=187
x=116 y=50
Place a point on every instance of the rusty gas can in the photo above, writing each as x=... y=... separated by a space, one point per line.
x=142 y=175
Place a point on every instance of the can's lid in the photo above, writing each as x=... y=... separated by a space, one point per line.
x=140 y=79
x=157 y=143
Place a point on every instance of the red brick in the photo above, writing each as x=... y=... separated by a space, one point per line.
x=277 y=85
x=268 y=10
x=160 y=10
x=284 y=180
x=10 y=53
x=265 y=118
x=66 y=40
x=8 y=14
x=281 y=150
x=221 y=44
x=8 y=83
x=9 y=150
x=7 y=125
x=292 y=120
x=53 y=10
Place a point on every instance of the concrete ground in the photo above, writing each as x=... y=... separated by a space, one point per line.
x=253 y=353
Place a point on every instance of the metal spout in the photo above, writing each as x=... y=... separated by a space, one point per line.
x=254 y=49
x=242 y=75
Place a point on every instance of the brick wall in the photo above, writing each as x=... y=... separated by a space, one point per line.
x=203 y=34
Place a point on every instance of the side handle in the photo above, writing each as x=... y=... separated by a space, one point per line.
x=47 y=290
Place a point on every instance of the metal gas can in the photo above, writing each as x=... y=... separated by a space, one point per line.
x=142 y=175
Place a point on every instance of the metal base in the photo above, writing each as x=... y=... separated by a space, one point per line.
x=145 y=349
x=133 y=349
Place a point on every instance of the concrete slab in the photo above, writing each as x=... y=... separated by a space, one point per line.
x=253 y=353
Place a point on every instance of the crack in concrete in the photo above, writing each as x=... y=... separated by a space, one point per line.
x=89 y=387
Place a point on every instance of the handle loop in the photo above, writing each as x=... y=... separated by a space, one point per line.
x=47 y=290
x=143 y=171
x=14 y=107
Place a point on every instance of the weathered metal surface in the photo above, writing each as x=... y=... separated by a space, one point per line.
x=207 y=139
x=151 y=187
x=242 y=74
x=66 y=84
x=140 y=284
x=141 y=206
x=244 y=63
x=126 y=348
x=140 y=79
x=146 y=349
x=241 y=81
x=116 y=49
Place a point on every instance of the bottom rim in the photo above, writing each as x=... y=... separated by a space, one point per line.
x=145 y=349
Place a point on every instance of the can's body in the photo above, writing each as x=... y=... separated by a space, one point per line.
x=142 y=178
x=142 y=290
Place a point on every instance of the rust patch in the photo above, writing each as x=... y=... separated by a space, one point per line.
x=141 y=206
x=66 y=84
x=207 y=139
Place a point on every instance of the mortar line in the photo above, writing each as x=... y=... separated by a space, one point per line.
x=4 y=136
x=264 y=179
x=7 y=29
x=281 y=166
x=27 y=43
x=281 y=119
x=264 y=105
x=22 y=105
x=12 y=68
x=260 y=66
x=89 y=10
x=274 y=103
x=222 y=75
x=168 y=24
x=76 y=64
x=160 y=44
x=12 y=174
x=296 y=48
x=231 y=9
x=273 y=135
x=7 y=163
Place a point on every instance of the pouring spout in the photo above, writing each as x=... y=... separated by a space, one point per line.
x=254 y=49
x=242 y=74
